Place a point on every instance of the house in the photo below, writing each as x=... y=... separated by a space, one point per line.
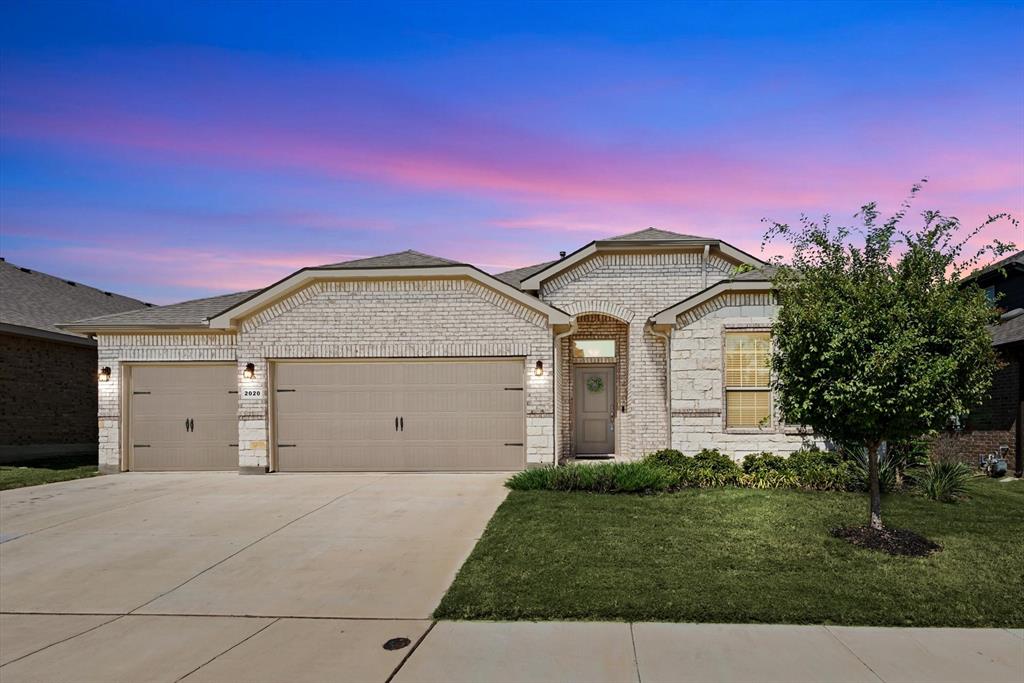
x=414 y=362
x=47 y=374
x=996 y=425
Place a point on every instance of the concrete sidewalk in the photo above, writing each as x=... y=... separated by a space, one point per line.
x=306 y=650
x=593 y=652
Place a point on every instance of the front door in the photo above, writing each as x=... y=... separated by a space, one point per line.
x=595 y=410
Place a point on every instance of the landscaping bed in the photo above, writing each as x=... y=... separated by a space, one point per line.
x=47 y=470
x=744 y=555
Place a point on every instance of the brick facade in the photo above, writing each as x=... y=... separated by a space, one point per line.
x=438 y=318
x=697 y=378
x=632 y=287
x=612 y=296
x=993 y=424
x=591 y=326
x=47 y=397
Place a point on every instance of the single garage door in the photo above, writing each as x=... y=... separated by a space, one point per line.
x=183 y=417
x=400 y=415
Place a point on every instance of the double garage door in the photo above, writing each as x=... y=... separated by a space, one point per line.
x=337 y=416
x=400 y=415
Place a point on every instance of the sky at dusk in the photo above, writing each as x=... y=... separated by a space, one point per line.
x=173 y=150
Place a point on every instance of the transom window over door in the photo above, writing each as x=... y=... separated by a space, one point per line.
x=748 y=395
x=593 y=348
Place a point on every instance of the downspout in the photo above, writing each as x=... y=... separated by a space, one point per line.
x=667 y=336
x=704 y=264
x=556 y=388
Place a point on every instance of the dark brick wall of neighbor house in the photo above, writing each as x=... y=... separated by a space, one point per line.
x=47 y=392
x=993 y=423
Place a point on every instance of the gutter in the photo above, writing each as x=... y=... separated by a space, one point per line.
x=556 y=388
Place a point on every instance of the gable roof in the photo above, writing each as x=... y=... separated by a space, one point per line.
x=758 y=280
x=35 y=303
x=642 y=240
x=401 y=259
x=184 y=314
x=651 y=235
x=516 y=276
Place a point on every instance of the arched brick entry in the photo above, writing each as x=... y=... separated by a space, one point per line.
x=591 y=326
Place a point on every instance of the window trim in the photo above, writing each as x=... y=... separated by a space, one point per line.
x=773 y=424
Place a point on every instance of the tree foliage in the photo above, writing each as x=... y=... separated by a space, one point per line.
x=876 y=339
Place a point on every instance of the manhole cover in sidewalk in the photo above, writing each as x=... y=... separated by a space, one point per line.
x=397 y=643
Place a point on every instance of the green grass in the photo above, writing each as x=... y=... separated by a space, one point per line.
x=47 y=471
x=742 y=555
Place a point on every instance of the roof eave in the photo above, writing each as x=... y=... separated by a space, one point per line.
x=46 y=335
x=668 y=316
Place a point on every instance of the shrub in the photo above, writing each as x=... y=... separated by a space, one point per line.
x=618 y=477
x=813 y=468
x=895 y=464
x=668 y=457
x=945 y=481
x=769 y=479
x=763 y=462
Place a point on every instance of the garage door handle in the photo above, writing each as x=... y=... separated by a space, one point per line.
x=514 y=444
x=401 y=421
x=396 y=423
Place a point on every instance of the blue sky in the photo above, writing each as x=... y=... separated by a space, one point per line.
x=170 y=151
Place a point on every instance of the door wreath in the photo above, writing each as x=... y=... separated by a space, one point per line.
x=595 y=384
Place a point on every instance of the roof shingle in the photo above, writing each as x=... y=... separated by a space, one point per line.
x=401 y=259
x=186 y=313
x=42 y=302
x=652 y=235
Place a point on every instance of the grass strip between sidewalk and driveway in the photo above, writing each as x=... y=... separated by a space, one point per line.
x=742 y=555
x=47 y=471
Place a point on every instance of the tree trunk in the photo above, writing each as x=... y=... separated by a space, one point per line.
x=874 y=487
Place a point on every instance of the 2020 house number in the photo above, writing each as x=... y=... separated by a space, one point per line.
x=252 y=393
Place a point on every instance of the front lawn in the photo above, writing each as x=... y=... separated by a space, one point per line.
x=743 y=555
x=47 y=471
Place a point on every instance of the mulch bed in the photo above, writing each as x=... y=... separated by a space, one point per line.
x=891 y=541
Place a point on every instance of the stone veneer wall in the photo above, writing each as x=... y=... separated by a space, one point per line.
x=632 y=287
x=442 y=318
x=590 y=326
x=697 y=378
x=113 y=350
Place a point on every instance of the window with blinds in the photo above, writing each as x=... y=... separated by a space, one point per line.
x=748 y=395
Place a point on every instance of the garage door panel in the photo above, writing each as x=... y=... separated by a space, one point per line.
x=462 y=400
x=163 y=398
x=455 y=415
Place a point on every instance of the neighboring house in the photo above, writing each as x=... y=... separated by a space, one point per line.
x=997 y=423
x=48 y=375
x=414 y=362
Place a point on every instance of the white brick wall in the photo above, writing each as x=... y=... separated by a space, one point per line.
x=632 y=287
x=444 y=318
x=114 y=350
x=697 y=382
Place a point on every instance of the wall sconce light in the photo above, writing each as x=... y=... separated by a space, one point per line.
x=104 y=374
x=250 y=371
x=539 y=370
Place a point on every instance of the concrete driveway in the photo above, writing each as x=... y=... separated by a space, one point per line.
x=155 y=576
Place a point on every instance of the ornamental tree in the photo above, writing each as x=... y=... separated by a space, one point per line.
x=876 y=339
